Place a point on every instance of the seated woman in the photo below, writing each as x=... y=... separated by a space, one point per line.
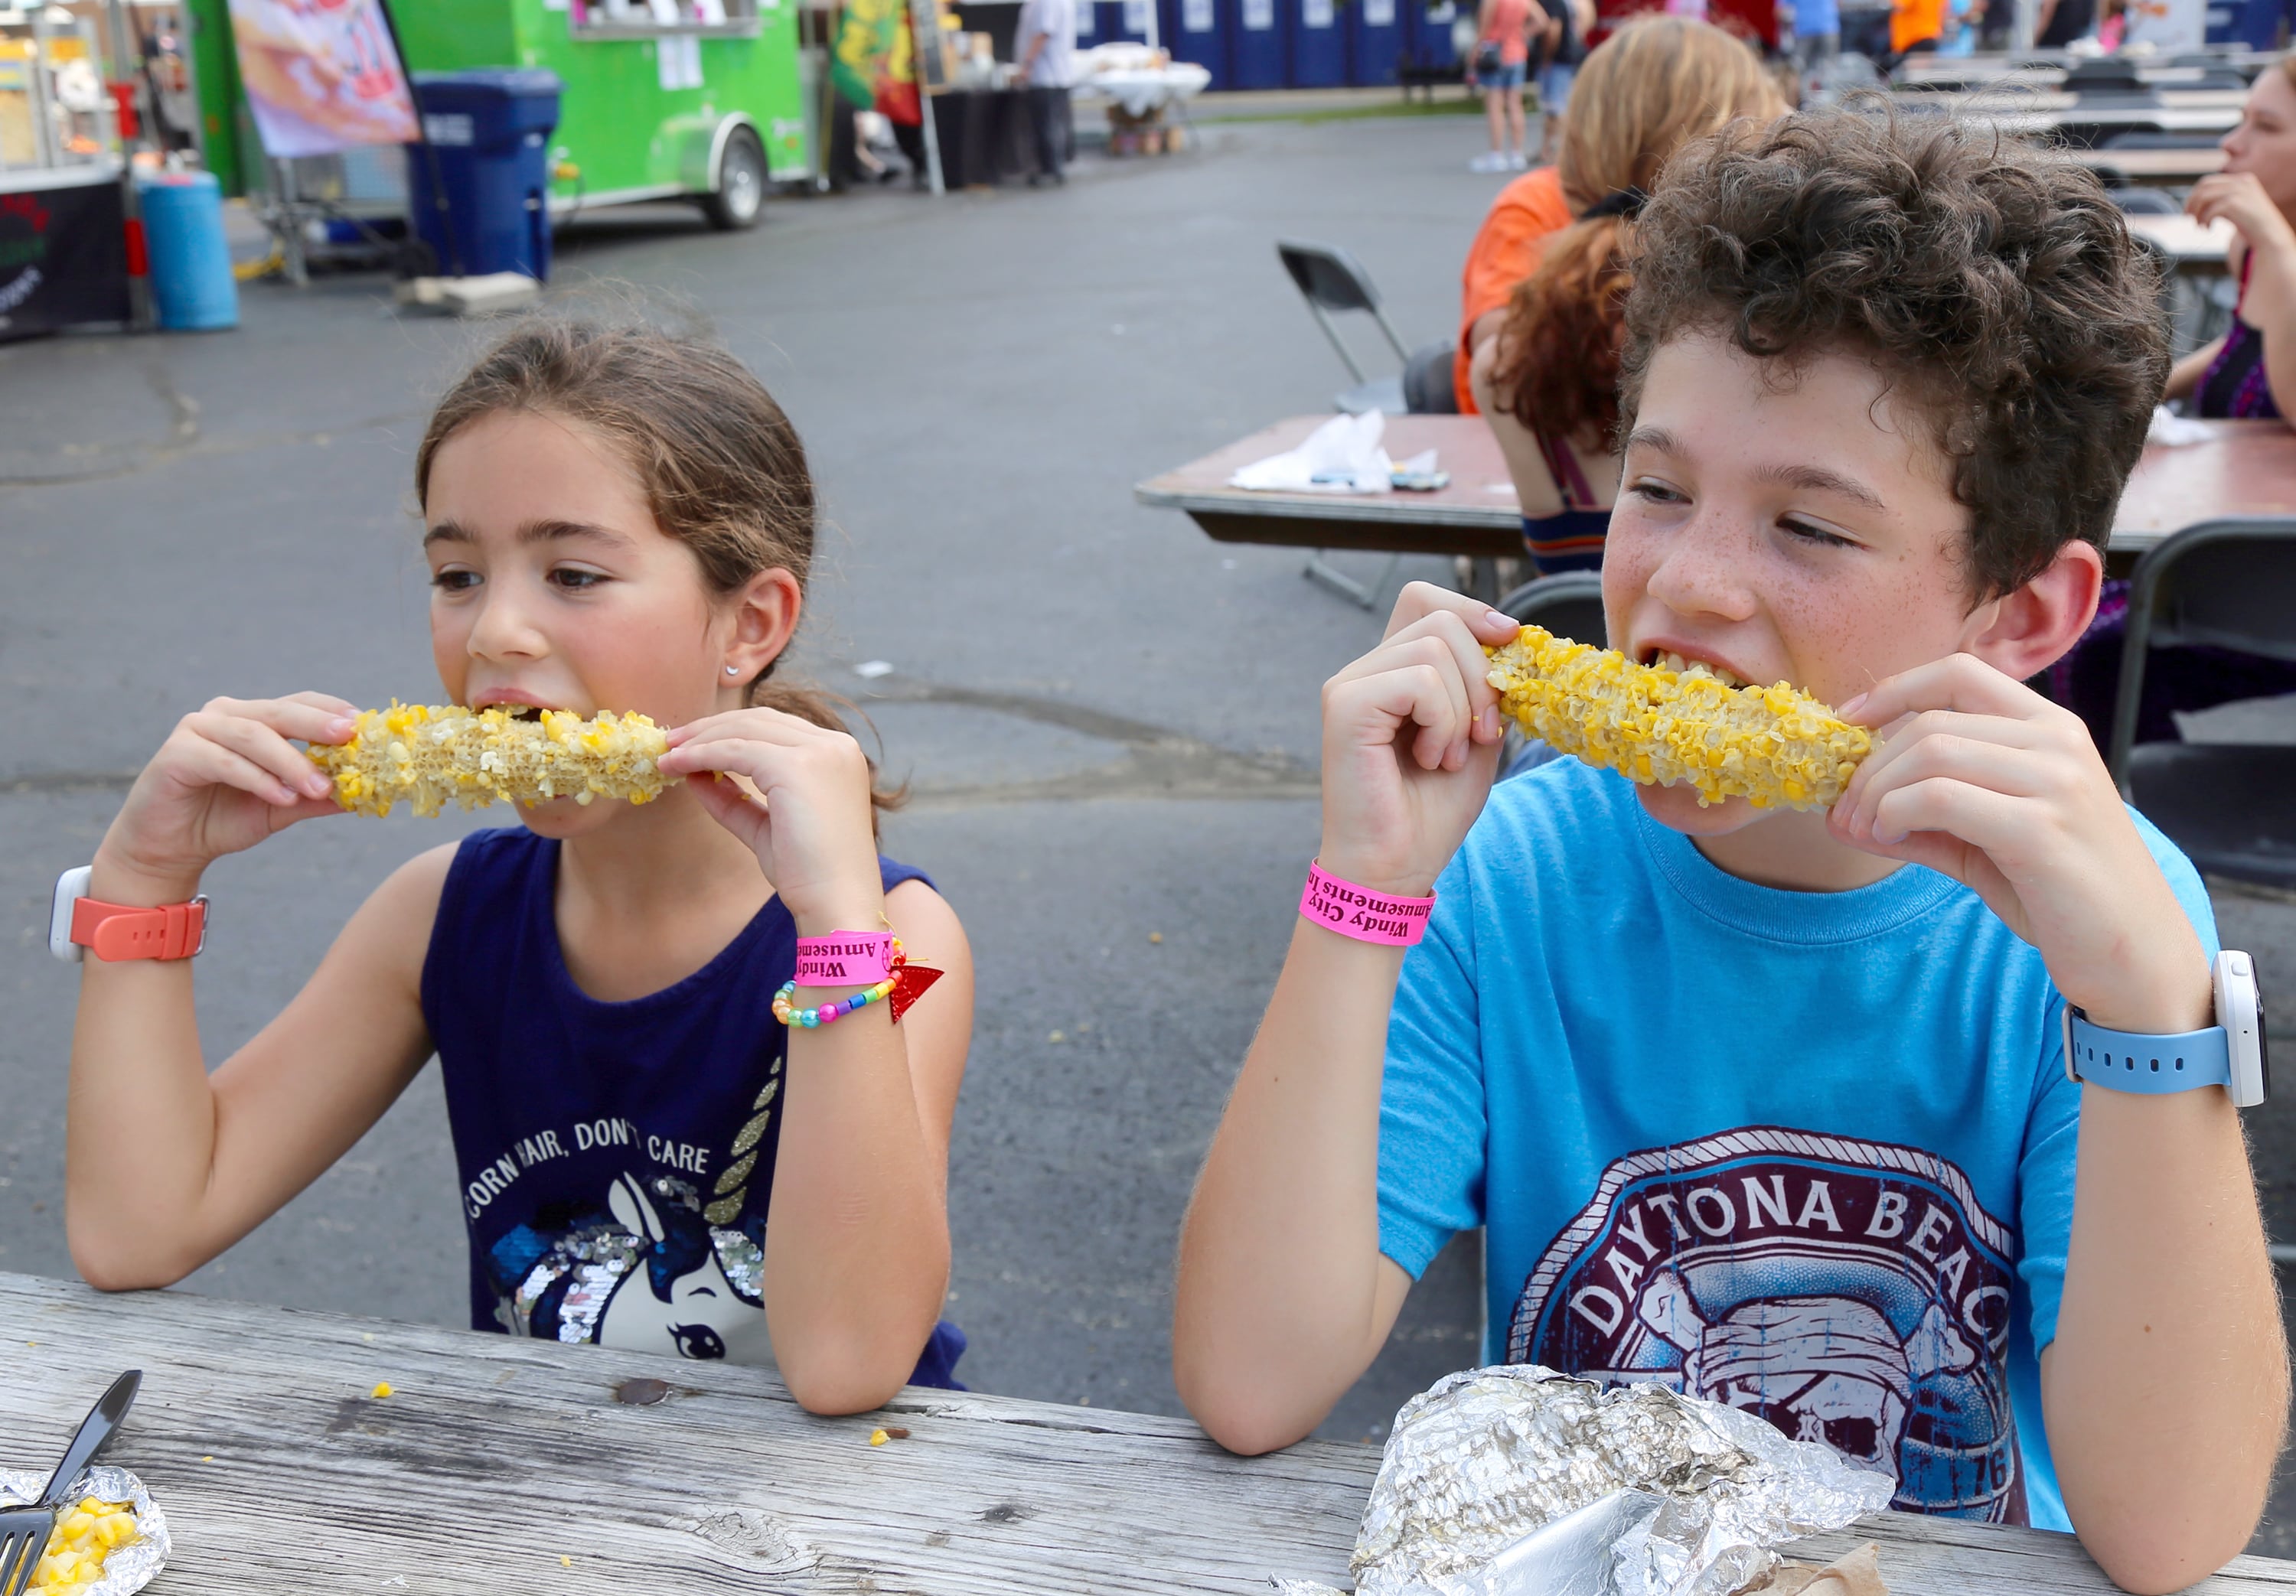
x=1549 y=380
x=2234 y=379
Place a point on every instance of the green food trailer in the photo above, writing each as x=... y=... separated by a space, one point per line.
x=664 y=99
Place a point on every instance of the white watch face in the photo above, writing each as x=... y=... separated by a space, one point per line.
x=71 y=888
x=2240 y=1010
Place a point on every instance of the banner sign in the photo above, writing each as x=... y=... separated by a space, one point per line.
x=322 y=76
x=872 y=63
x=64 y=257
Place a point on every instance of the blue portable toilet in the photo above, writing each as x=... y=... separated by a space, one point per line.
x=1255 y=44
x=2255 y=23
x=1427 y=32
x=1375 y=32
x=489 y=153
x=1319 y=44
x=1192 y=33
x=1118 y=21
x=192 y=289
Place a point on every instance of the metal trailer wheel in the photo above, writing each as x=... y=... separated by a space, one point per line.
x=739 y=199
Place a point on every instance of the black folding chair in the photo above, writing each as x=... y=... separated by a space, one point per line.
x=2227 y=584
x=1329 y=279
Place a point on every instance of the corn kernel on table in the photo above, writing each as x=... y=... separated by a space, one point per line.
x=506 y=1465
x=2243 y=469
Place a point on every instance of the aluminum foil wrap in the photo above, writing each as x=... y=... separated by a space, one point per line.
x=1490 y=1455
x=127 y=1568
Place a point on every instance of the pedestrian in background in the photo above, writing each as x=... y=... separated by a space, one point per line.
x=1562 y=47
x=1047 y=46
x=1815 y=27
x=1503 y=30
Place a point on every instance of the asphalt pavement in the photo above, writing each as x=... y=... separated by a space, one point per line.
x=1109 y=722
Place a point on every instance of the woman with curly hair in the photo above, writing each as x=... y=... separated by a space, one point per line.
x=1549 y=380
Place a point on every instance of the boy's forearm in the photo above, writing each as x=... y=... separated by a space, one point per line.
x=1279 y=1305
x=2166 y=1387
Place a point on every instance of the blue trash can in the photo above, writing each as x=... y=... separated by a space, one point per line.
x=1319 y=46
x=192 y=289
x=489 y=133
x=1255 y=43
x=1193 y=32
x=1375 y=30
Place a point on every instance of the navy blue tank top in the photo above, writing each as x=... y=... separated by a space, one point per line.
x=616 y=1157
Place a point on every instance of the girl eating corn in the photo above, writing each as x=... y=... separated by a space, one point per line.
x=619 y=521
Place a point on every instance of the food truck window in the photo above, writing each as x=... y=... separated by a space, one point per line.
x=630 y=19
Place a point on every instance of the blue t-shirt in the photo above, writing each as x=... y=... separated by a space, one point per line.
x=616 y=1157
x=1813 y=17
x=1806 y=1153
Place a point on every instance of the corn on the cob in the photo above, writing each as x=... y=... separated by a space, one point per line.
x=1768 y=745
x=425 y=755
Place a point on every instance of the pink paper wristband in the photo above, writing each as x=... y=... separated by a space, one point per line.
x=1359 y=913
x=845 y=959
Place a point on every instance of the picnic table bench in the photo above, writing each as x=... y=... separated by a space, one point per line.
x=507 y=1464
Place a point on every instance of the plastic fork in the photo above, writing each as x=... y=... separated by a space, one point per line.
x=24 y=1531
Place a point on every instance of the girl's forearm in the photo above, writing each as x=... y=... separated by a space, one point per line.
x=857 y=1247
x=1281 y=1301
x=2166 y=1387
x=141 y=1116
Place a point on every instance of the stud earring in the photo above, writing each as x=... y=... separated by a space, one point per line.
x=733 y=670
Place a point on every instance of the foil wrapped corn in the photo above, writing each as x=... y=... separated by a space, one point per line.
x=83 y=1539
x=1772 y=746
x=425 y=755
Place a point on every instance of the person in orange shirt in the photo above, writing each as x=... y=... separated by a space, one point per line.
x=1546 y=378
x=1625 y=120
x=1915 y=25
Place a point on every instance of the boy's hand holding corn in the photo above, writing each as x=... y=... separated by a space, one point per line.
x=1981 y=778
x=228 y=776
x=1411 y=742
x=808 y=819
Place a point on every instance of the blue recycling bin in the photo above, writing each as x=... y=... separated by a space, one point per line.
x=1427 y=32
x=1319 y=45
x=489 y=134
x=192 y=289
x=1193 y=32
x=1255 y=43
x=1375 y=30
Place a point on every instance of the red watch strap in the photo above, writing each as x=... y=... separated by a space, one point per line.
x=114 y=931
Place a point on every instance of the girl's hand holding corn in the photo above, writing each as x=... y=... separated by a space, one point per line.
x=1983 y=780
x=227 y=777
x=809 y=818
x=1411 y=742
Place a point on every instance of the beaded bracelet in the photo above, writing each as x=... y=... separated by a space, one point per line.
x=829 y=1013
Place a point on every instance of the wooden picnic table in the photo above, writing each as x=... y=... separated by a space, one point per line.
x=2189 y=246
x=2154 y=166
x=2247 y=468
x=506 y=1464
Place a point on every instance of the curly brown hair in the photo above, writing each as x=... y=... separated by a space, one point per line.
x=1994 y=282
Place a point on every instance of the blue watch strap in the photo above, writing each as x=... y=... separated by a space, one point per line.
x=2155 y=1066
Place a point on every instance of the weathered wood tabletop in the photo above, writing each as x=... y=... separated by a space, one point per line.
x=2244 y=469
x=504 y=1465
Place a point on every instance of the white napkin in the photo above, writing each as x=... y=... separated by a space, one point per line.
x=1342 y=455
x=2174 y=429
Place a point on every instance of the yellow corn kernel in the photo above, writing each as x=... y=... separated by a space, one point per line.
x=424 y=756
x=84 y=1534
x=1770 y=746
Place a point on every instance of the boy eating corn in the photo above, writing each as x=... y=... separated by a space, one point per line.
x=1770 y=1105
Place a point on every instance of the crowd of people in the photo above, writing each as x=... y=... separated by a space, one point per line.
x=1772 y=1106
